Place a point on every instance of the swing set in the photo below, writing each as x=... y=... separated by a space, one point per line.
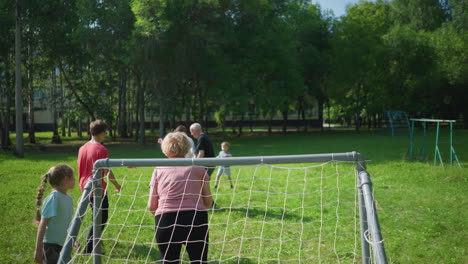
x=437 y=154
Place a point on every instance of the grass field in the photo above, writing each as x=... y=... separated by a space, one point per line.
x=422 y=208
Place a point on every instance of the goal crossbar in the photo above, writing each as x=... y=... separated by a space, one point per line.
x=371 y=237
x=211 y=162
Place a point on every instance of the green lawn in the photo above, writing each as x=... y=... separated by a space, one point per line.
x=422 y=208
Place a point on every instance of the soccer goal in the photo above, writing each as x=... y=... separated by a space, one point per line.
x=282 y=209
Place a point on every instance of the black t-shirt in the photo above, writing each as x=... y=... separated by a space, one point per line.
x=204 y=143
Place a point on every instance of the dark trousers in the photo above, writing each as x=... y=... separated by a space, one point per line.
x=51 y=253
x=189 y=228
x=105 y=214
x=209 y=171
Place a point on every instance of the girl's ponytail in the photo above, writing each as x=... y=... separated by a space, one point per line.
x=40 y=194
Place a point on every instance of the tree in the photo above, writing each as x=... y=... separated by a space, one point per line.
x=311 y=31
x=18 y=85
x=358 y=58
x=419 y=14
x=6 y=39
x=449 y=42
x=414 y=83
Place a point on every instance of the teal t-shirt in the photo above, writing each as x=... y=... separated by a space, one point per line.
x=58 y=207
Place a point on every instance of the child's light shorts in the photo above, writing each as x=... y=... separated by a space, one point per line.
x=223 y=169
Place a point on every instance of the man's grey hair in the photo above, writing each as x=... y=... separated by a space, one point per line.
x=196 y=126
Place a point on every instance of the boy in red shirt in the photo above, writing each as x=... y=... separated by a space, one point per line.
x=89 y=153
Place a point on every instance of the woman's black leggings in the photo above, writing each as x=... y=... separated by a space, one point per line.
x=189 y=228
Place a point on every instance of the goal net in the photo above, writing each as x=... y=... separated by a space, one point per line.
x=280 y=209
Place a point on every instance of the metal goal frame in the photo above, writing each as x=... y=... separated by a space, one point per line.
x=371 y=237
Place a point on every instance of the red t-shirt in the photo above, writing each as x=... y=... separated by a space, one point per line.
x=87 y=155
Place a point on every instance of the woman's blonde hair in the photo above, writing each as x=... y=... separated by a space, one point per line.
x=175 y=144
x=55 y=177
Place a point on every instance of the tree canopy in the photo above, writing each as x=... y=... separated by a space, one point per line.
x=128 y=61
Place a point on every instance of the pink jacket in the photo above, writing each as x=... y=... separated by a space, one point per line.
x=174 y=189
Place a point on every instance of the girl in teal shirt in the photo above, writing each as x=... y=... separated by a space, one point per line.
x=57 y=212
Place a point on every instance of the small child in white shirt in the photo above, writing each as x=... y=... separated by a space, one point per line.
x=224 y=153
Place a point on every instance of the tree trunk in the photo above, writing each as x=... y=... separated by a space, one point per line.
x=321 y=101
x=188 y=114
x=130 y=123
x=62 y=108
x=201 y=110
x=79 y=129
x=187 y=111
x=205 y=121
x=161 y=119
x=358 y=108
x=369 y=123
x=6 y=141
x=137 y=112
x=152 y=122
x=269 y=124
x=223 y=128
x=250 y=118
x=172 y=123
x=122 y=111
x=31 y=134
x=304 y=119
x=465 y=117
x=141 y=110
x=111 y=130
x=52 y=101
x=68 y=127
x=18 y=88
x=30 y=89
x=285 y=120
x=138 y=117
x=241 y=123
x=300 y=102
x=73 y=89
x=1 y=127
x=88 y=122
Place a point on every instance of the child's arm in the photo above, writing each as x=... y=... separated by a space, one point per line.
x=112 y=179
x=227 y=155
x=39 y=251
x=153 y=198
x=206 y=194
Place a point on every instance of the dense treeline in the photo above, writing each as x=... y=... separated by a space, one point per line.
x=188 y=59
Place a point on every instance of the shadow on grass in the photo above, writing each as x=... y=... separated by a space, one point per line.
x=151 y=254
x=271 y=213
x=241 y=260
x=138 y=253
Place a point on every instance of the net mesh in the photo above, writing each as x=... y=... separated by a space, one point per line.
x=273 y=214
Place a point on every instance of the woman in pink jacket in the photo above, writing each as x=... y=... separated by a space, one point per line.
x=179 y=198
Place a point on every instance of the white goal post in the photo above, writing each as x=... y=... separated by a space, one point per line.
x=372 y=246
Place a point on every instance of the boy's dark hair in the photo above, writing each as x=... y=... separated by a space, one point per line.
x=181 y=128
x=97 y=127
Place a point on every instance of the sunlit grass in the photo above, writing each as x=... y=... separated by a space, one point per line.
x=422 y=208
